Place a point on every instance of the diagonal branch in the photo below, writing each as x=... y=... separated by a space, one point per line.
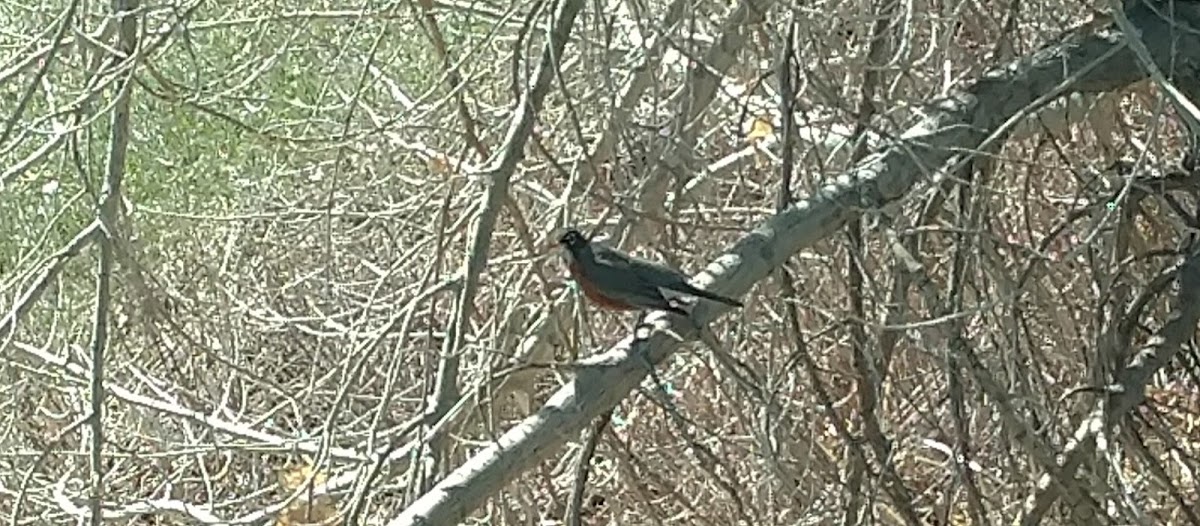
x=1130 y=387
x=50 y=272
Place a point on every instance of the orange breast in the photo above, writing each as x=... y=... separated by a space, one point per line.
x=594 y=294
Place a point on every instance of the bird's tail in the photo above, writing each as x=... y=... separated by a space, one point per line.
x=717 y=297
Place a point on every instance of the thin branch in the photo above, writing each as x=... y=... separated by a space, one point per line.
x=498 y=176
x=109 y=214
x=1129 y=389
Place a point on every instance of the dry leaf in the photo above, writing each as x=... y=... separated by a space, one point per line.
x=301 y=512
x=760 y=129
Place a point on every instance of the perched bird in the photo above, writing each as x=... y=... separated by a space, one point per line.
x=618 y=281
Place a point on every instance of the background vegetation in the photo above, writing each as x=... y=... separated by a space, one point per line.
x=299 y=187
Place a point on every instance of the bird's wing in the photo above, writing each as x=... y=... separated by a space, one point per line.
x=659 y=274
x=654 y=276
x=633 y=268
x=645 y=271
x=610 y=257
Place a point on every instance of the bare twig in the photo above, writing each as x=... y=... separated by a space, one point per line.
x=53 y=268
x=498 y=176
x=1129 y=388
x=583 y=467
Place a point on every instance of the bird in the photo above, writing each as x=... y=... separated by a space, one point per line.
x=617 y=281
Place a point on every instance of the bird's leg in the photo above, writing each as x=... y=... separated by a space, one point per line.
x=639 y=325
x=639 y=346
x=641 y=335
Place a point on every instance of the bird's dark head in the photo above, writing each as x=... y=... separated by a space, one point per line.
x=572 y=240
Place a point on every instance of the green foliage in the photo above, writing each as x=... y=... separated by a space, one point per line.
x=228 y=114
